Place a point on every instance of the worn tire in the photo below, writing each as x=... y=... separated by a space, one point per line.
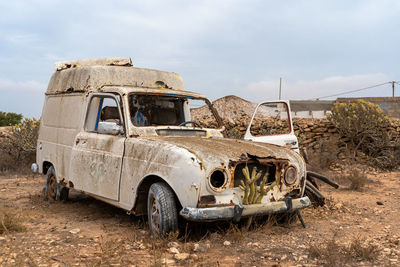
x=53 y=190
x=161 y=210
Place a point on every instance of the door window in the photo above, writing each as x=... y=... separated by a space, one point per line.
x=271 y=119
x=103 y=116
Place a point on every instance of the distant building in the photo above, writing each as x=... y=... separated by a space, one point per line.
x=318 y=109
x=315 y=109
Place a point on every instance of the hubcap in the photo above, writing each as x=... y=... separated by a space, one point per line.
x=155 y=215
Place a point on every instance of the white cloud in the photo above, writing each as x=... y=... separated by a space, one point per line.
x=21 y=86
x=302 y=89
x=24 y=39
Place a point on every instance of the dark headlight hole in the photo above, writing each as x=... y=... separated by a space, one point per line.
x=217 y=179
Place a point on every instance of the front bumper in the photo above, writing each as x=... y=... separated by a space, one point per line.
x=238 y=211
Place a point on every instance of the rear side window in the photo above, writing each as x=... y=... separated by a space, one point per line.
x=103 y=113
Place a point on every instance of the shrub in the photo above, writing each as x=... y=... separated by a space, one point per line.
x=333 y=253
x=18 y=147
x=367 y=128
x=10 y=222
x=357 y=179
x=9 y=118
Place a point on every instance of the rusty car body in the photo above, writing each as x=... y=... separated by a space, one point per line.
x=124 y=135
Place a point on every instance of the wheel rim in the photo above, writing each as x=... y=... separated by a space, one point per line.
x=52 y=188
x=154 y=215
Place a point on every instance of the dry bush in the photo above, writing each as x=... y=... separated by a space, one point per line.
x=234 y=133
x=367 y=129
x=367 y=252
x=324 y=156
x=357 y=179
x=18 y=148
x=10 y=222
x=331 y=253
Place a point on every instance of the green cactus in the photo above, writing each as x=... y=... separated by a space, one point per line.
x=252 y=193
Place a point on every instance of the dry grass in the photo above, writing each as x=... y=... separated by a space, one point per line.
x=358 y=250
x=323 y=156
x=357 y=179
x=331 y=253
x=10 y=222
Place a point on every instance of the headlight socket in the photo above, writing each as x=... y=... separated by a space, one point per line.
x=218 y=180
x=290 y=175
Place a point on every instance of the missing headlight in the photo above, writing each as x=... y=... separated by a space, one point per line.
x=217 y=180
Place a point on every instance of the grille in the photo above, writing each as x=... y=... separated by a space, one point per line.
x=238 y=174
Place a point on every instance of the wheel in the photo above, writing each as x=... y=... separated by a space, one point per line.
x=54 y=191
x=161 y=210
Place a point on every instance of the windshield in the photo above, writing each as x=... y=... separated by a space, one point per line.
x=166 y=110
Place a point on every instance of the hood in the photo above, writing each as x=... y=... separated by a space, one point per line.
x=223 y=149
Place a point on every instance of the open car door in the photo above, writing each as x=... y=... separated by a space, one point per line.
x=272 y=123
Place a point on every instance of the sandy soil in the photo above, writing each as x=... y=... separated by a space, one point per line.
x=86 y=232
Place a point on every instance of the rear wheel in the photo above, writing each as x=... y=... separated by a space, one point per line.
x=54 y=191
x=161 y=210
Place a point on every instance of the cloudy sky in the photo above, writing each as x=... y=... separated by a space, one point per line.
x=219 y=47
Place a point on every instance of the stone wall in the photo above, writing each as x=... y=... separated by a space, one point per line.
x=310 y=132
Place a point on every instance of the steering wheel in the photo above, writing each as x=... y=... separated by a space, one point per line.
x=192 y=122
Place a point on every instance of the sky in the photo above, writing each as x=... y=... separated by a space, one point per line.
x=219 y=47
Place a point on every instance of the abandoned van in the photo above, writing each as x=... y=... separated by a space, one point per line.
x=124 y=135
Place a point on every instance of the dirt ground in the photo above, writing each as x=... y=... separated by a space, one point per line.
x=355 y=228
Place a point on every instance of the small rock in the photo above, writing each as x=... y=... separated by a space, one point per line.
x=227 y=243
x=379 y=203
x=75 y=231
x=201 y=247
x=173 y=250
x=173 y=245
x=194 y=257
x=181 y=256
x=387 y=251
x=167 y=262
x=283 y=257
x=338 y=206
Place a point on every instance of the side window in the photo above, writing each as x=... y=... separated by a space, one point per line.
x=103 y=116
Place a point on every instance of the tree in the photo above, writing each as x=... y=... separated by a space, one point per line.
x=10 y=118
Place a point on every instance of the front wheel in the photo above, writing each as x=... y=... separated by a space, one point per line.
x=161 y=210
x=54 y=191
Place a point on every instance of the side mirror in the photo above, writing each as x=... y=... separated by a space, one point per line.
x=112 y=128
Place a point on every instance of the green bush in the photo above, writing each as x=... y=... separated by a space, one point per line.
x=368 y=129
x=9 y=118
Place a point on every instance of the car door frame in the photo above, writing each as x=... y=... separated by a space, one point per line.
x=90 y=167
x=288 y=140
